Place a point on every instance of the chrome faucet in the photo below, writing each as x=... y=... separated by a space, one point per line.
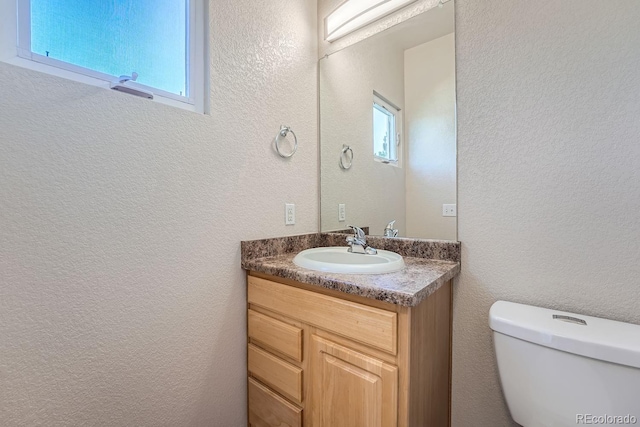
x=358 y=242
x=389 y=231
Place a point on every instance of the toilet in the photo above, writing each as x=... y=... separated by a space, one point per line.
x=562 y=369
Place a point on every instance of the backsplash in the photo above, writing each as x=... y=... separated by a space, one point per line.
x=252 y=249
x=445 y=250
x=417 y=248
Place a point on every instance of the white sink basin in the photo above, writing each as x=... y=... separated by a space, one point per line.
x=336 y=259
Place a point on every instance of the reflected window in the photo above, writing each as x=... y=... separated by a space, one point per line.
x=386 y=136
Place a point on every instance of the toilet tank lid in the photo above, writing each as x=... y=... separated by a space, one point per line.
x=601 y=339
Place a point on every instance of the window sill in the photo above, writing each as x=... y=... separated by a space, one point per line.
x=382 y=160
x=93 y=81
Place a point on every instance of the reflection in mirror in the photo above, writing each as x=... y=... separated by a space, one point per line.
x=391 y=99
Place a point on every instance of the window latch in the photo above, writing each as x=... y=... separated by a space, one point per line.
x=133 y=77
x=120 y=85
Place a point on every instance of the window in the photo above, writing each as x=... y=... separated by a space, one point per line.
x=104 y=42
x=386 y=130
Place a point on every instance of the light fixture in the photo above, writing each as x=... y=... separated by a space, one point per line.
x=354 y=14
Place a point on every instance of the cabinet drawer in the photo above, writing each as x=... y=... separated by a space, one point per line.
x=270 y=410
x=368 y=325
x=275 y=334
x=275 y=372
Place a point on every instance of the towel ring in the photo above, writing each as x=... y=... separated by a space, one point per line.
x=284 y=131
x=343 y=155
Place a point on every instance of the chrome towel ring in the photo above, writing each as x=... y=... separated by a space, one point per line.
x=346 y=160
x=284 y=131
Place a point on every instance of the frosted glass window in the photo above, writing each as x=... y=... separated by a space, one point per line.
x=117 y=38
x=385 y=134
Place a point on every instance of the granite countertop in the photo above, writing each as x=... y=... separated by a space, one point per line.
x=428 y=265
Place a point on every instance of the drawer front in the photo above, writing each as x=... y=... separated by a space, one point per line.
x=268 y=409
x=275 y=372
x=372 y=326
x=275 y=334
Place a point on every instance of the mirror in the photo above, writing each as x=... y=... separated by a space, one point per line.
x=388 y=130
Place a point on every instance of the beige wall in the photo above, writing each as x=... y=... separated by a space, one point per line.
x=373 y=192
x=549 y=166
x=430 y=135
x=121 y=294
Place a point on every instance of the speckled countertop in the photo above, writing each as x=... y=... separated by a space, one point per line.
x=428 y=265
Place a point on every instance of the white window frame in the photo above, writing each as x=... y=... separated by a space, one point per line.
x=15 y=48
x=382 y=104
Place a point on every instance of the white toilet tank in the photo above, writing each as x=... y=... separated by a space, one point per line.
x=564 y=369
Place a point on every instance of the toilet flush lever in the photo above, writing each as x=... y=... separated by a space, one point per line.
x=569 y=319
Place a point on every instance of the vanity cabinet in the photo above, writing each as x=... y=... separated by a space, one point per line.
x=323 y=358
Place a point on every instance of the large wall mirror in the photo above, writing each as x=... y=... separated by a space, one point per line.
x=388 y=130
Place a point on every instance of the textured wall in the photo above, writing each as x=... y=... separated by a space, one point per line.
x=549 y=165
x=373 y=192
x=430 y=129
x=122 y=302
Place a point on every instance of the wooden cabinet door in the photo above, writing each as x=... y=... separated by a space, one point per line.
x=351 y=389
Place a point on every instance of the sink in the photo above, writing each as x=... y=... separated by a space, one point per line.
x=337 y=259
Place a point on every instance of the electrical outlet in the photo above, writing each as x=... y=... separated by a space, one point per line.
x=289 y=214
x=449 y=210
x=342 y=213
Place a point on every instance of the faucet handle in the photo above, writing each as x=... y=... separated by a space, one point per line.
x=358 y=232
x=389 y=231
x=358 y=242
